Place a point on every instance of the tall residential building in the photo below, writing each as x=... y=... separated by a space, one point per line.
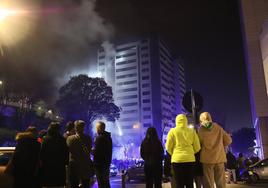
x=254 y=14
x=148 y=85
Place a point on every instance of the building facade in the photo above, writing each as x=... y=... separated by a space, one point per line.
x=148 y=85
x=264 y=51
x=254 y=15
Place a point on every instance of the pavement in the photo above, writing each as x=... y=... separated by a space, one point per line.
x=116 y=183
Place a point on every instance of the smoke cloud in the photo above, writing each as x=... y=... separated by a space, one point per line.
x=63 y=40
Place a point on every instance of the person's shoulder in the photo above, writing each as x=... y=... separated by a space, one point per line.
x=143 y=143
x=71 y=138
x=201 y=129
x=171 y=131
x=217 y=126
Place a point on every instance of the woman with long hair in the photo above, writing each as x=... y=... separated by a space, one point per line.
x=152 y=153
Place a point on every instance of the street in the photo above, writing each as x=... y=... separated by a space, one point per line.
x=116 y=183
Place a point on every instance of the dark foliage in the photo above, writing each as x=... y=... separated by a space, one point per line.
x=243 y=139
x=87 y=99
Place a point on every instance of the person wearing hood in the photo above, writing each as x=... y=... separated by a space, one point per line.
x=213 y=140
x=182 y=144
x=25 y=159
x=102 y=155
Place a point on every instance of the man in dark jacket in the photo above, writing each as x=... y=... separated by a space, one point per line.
x=103 y=155
x=54 y=158
x=25 y=159
x=80 y=164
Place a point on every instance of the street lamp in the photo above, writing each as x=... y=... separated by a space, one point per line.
x=16 y=21
x=1 y=82
x=136 y=126
x=4 y=13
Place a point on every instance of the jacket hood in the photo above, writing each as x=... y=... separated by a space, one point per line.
x=181 y=121
x=24 y=135
x=205 y=118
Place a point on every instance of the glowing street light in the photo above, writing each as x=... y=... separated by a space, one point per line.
x=1 y=82
x=136 y=126
x=191 y=126
x=4 y=13
x=17 y=20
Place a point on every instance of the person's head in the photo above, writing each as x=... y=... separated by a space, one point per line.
x=205 y=120
x=151 y=134
x=100 y=127
x=70 y=127
x=79 y=126
x=33 y=130
x=240 y=155
x=53 y=129
x=181 y=120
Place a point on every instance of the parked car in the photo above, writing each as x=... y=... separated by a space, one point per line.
x=113 y=170
x=135 y=172
x=6 y=181
x=259 y=170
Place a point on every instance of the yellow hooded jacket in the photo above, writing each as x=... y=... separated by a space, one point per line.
x=182 y=142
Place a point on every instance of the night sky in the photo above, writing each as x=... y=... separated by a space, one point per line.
x=206 y=34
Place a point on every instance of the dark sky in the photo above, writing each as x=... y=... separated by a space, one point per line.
x=206 y=34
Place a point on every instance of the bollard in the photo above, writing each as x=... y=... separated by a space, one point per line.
x=123 y=179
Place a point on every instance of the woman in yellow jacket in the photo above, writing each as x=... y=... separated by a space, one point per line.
x=182 y=144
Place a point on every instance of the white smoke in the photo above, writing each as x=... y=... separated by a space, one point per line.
x=109 y=49
x=64 y=40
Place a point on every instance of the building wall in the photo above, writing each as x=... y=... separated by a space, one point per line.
x=145 y=85
x=127 y=86
x=264 y=50
x=253 y=15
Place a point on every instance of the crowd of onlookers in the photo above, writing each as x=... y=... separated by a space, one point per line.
x=194 y=155
x=50 y=159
